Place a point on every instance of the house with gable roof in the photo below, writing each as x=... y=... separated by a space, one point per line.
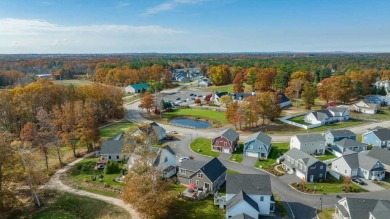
x=363 y=106
x=303 y=165
x=332 y=136
x=378 y=137
x=257 y=145
x=249 y=194
x=136 y=88
x=359 y=165
x=382 y=154
x=218 y=95
x=309 y=143
x=226 y=141
x=209 y=176
x=362 y=208
x=327 y=116
x=339 y=148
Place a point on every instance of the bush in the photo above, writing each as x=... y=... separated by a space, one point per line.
x=321 y=181
x=112 y=167
x=101 y=176
x=106 y=185
x=93 y=178
x=85 y=168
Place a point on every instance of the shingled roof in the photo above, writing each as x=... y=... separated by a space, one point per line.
x=260 y=136
x=382 y=154
x=229 y=134
x=252 y=184
x=342 y=133
x=239 y=197
x=310 y=138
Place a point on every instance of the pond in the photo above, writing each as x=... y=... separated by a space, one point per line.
x=190 y=123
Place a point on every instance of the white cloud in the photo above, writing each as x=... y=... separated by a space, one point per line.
x=167 y=6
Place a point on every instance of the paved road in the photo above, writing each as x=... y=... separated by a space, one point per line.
x=55 y=183
x=299 y=205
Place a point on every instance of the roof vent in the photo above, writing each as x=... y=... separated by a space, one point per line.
x=258 y=188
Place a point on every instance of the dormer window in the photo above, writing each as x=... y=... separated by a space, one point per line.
x=200 y=175
x=166 y=159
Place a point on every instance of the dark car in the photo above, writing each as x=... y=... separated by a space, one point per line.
x=191 y=94
x=178 y=98
x=358 y=181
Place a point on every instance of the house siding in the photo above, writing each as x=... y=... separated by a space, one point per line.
x=218 y=144
x=308 y=147
x=214 y=186
x=372 y=139
x=264 y=149
x=330 y=139
x=241 y=207
x=112 y=157
x=316 y=171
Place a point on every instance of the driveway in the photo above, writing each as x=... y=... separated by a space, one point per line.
x=370 y=186
x=249 y=161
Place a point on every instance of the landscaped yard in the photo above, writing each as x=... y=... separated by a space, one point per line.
x=332 y=186
x=327 y=156
x=277 y=150
x=299 y=119
x=83 y=175
x=382 y=114
x=72 y=82
x=215 y=116
x=338 y=125
x=326 y=213
x=115 y=129
x=203 y=146
x=237 y=155
x=69 y=206
x=223 y=88
x=204 y=209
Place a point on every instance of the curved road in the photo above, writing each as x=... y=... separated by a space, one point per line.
x=299 y=205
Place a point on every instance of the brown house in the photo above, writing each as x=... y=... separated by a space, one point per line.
x=225 y=142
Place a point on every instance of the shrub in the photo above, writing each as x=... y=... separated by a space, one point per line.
x=106 y=185
x=197 y=101
x=321 y=181
x=112 y=167
x=93 y=178
x=85 y=179
x=84 y=168
x=101 y=176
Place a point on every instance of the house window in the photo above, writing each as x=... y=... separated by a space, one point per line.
x=321 y=167
x=224 y=144
x=345 y=171
x=200 y=175
x=197 y=182
x=183 y=171
x=190 y=181
x=109 y=157
x=166 y=159
x=261 y=198
x=251 y=147
x=320 y=174
x=117 y=157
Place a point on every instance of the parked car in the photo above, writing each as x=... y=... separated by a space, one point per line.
x=168 y=137
x=178 y=98
x=358 y=181
x=173 y=132
x=200 y=96
x=189 y=99
x=183 y=158
x=192 y=95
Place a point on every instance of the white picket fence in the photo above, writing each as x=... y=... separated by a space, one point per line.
x=286 y=120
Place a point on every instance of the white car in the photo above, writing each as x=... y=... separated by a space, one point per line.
x=173 y=132
x=183 y=159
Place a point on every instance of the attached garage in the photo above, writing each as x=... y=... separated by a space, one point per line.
x=354 y=172
x=251 y=154
x=226 y=150
x=300 y=175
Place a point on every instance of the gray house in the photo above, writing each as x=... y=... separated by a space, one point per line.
x=152 y=131
x=379 y=137
x=332 y=136
x=362 y=208
x=382 y=154
x=339 y=148
x=359 y=165
x=303 y=165
x=257 y=145
x=309 y=143
x=208 y=176
x=111 y=150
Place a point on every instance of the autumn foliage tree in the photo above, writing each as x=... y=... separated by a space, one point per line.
x=230 y=113
x=265 y=79
x=309 y=94
x=220 y=75
x=147 y=101
x=238 y=82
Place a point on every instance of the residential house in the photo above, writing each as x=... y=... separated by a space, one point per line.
x=382 y=154
x=163 y=159
x=204 y=82
x=378 y=100
x=218 y=95
x=249 y=194
x=284 y=100
x=384 y=83
x=339 y=148
x=309 y=143
x=359 y=165
x=136 y=88
x=238 y=97
x=364 y=107
x=303 y=165
x=378 y=137
x=208 y=176
x=111 y=150
x=257 y=145
x=225 y=142
x=183 y=79
x=327 y=116
x=337 y=135
x=362 y=208
x=152 y=132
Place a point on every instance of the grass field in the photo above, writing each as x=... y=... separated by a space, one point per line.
x=69 y=206
x=331 y=187
x=327 y=156
x=382 y=114
x=237 y=156
x=204 y=209
x=338 y=125
x=204 y=145
x=72 y=82
x=201 y=113
x=326 y=213
x=277 y=150
x=114 y=129
x=299 y=119
x=223 y=88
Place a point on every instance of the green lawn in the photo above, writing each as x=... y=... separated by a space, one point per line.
x=72 y=82
x=204 y=145
x=299 y=119
x=231 y=172
x=114 y=129
x=338 y=125
x=277 y=150
x=331 y=187
x=327 y=156
x=204 y=209
x=223 y=88
x=382 y=114
x=198 y=113
x=237 y=155
x=326 y=213
x=69 y=206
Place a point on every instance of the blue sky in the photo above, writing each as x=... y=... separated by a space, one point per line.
x=186 y=26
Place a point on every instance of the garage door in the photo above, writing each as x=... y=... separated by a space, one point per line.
x=251 y=154
x=226 y=151
x=300 y=175
x=354 y=173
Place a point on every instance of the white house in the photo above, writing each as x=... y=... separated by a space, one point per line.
x=218 y=95
x=309 y=143
x=329 y=115
x=136 y=88
x=384 y=83
x=163 y=159
x=364 y=107
x=250 y=194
